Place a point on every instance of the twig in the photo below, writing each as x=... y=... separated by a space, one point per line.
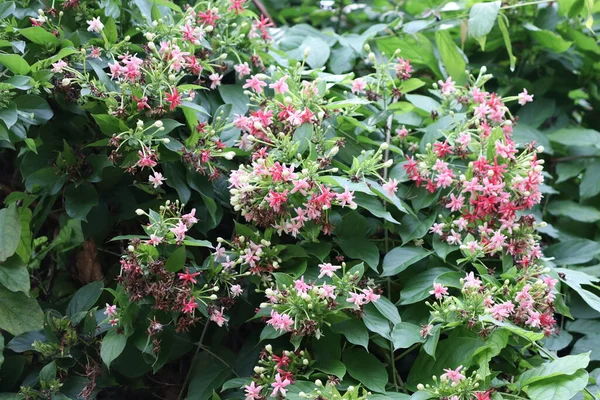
x=199 y=346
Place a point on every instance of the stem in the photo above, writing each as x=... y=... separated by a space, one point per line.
x=199 y=346
x=531 y=3
x=570 y=158
x=263 y=10
x=405 y=352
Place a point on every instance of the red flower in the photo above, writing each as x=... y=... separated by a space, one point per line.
x=174 y=99
x=188 y=277
x=141 y=103
x=237 y=6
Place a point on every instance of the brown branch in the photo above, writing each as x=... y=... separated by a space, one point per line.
x=263 y=10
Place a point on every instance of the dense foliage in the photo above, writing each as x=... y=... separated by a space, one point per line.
x=299 y=199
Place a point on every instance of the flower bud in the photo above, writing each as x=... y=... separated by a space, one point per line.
x=306 y=52
x=318 y=383
x=130 y=248
x=139 y=211
x=151 y=46
x=213 y=297
x=384 y=146
x=140 y=123
x=420 y=386
x=66 y=82
x=229 y=155
x=209 y=28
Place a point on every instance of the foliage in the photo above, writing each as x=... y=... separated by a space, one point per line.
x=367 y=201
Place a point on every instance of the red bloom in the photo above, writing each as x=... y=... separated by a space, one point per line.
x=237 y=6
x=174 y=99
x=188 y=277
x=208 y=18
x=141 y=103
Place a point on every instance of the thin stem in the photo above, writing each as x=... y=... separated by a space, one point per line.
x=199 y=346
x=531 y=3
x=405 y=352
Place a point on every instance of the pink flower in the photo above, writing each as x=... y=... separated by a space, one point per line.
x=402 y=132
x=370 y=295
x=391 y=186
x=453 y=374
x=426 y=330
x=280 y=322
x=549 y=281
x=252 y=391
x=328 y=291
x=346 y=198
x=471 y=281
x=95 y=52
x=95 y=25
x=300 y=286
x=173 y=98
x=110 y=310
x=179 y=231
x=455 y=203
x=189 y=219
x=215 y=80
x=447 y=87
x=356 y=298
x=524 y=97
x=58 y=66
x=358 y=85
x=188 y=276
x=279 y=386
x=439 y=290
x=218 y=318
x=280 y=86
x=154 y=240
x=534 y=319
x=523 y=296
x=190 y=306
x=502 y=311
x=242 y=70
x=255 y=84
x=328 y=269
x=146 y=160
x=276 y=200
x=437 y=228
x=157 y=179
x=235 y=290
x=114 y=321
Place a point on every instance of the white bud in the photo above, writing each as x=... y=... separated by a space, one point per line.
x=158 y=124
x=140 y=123
x=334 y=150
x=209 y=28
x=318 y=383
x=269 y=348
x=166 y=140
x=483 y=69
x=229 y=155
x=213 y=297
x=384 y=146
x=130 y=248
x=420 y=386
x=139 y=211
x=151 y=46
x=306 y=52
x=66 y=82
x=388 y=163
x=540 y=149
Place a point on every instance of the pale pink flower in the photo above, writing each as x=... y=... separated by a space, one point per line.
x=252 y=391
x=439 y=291
x=58 y=66
x=328 y=269
x=279 y=386
x=235 y=290
x=358 y=85
x=370 y=296
x=95 y=25
x=157 y=179
x=453 y=374
x=154 y=240
x=356 y=298
x=447 y=87
x=242 y=70
x=110 y=310
x=524 y=97
x=346 y=198
x=215 y=80
x=280 y=86
x=179 y=231
x=471 y=281
x=455 y=203
x=391 y=186
x=255 y=84
x=301 y=286
x=217 y=317
x=189 y=219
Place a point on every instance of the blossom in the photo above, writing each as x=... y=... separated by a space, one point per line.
x=215 y=80
x=110 y=310
x=455 y=203
x=471 y=281
x=524 y=97
x=179 y=230
x=252 y=391
x=439 y=290
x=453 y=374
x=188 y=277
x=328 y=269
x=235 y=290
x=280 y=86
x=242 y=69
x=301 y=286
x=279 y=385
x=255 y=84
x=280 y=322
x=447 y=87
x=190 y=306
x=154 y=240
x=95 y=25
x=95 y=52
x=58 y=66
x=217 y=317
x=345 y=198
x=157 y=179
x=189 y=219
x=358 y=85
x=356 y=298
x=391 y=186
x=502 y=311
x=237 y=6
x=370 y=296
x=173 y=98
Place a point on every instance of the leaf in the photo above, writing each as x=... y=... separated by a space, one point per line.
x=10 y=228
x=417 y=48
x=319 y=52
x=342 y=60
x=79 y=200
x=482 y=17
x=452 y=59
x=573 y=251
x=39 y=35
x=176 y=260
x=576 y=137
x=207 y=375
x=570 y=209
x=15 y=63
x=112 y=346
x=388 y=310
x=559 y=388
x=34 y=110
x=401 y=258
x=590 y=184
x=175 y=175
x=374 y=206
x=354 y=331
x=548 y=39
x=567 y=365
x=366 y=368
x=574 y=279
x=376 y=322
x=234 y=95
x=331 y=367
x=418 y=286
x=19 y=313
x=424 y=103
x=14 y=275
x=85 y=298
x=405 y=335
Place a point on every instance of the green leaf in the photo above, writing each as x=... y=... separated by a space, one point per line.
x=482 y=17
x=15 y=63
x=176 y=260
x=331 y=367
x=574 y=279
x=376 y=322
x=366 y=368
x=112 y=346
x=548 y=39
x=234 y=95
x=206 y=376
x=424 y=103
x=401 y=258
x=573 y=251
x=354 y=331
x=576 y=137
x=405 y=335
x=14 y=275
x=10 y=228
x=570 y=209
x=48 y=373
x=567 y=365
x=39 y=35
x=9 y=114
x=417 y=48
x=109 y=124
x=342 y=60
x=79 y=200
x=19 y=313
x=36 y=110
x=85 y=298
x=388 y=310
x=418 y=286
x=590 y=184
x=451 y=57
x=559 y=388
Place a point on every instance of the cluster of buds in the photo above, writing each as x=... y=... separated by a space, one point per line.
x=193 y=291
x=454 y=385
x=527 y=302
x=274 y=373
x=486 y=182
x=329 y=391
x=303 y=308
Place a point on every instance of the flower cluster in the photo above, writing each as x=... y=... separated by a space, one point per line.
x=525 y=302
x=486 y=182
x=453 y=384
x=274 y=373
x=303 y=308
x=329 y=391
